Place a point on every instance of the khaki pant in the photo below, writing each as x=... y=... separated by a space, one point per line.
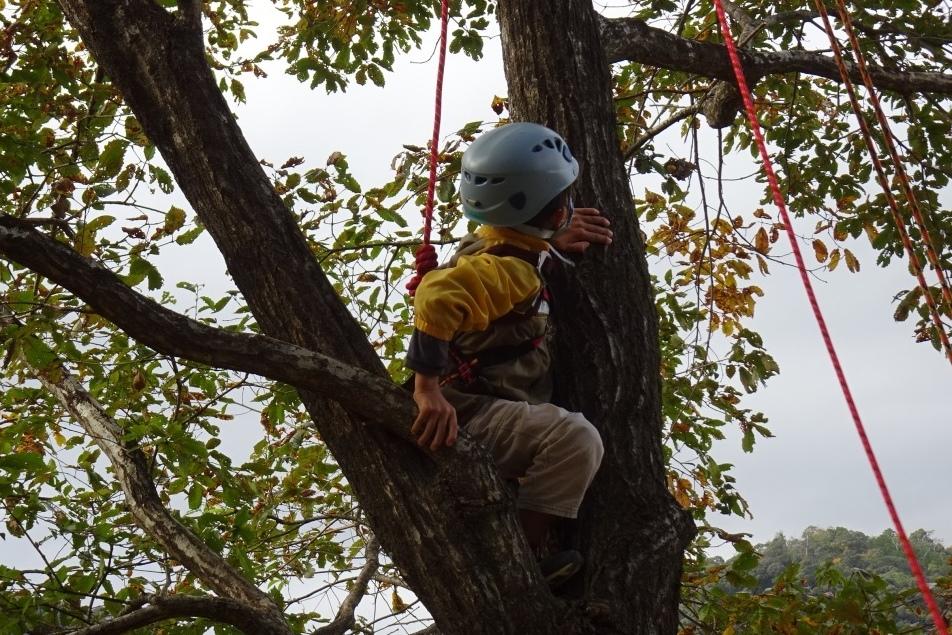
x=553 y=452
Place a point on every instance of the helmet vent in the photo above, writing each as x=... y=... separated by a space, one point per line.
x=566 y=154
x=518 y=200
x=537 y=148
x=558 y=143
x=468 y=177
x=549 y=143
x=480 y=180
x=477 y=204
x=496 y=180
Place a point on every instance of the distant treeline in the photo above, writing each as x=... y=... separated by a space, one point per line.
x=851 y=551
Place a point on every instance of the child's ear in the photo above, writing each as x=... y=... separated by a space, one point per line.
x=559 y=217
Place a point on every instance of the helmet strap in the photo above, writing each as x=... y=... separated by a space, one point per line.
x=538 y=232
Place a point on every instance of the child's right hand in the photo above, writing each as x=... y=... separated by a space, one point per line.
x=436 y=423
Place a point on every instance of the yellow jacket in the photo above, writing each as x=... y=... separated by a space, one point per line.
x=479 y=288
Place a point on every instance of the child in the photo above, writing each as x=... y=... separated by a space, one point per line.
x=479 y=349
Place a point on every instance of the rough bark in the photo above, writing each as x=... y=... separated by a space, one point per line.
x=633 y=40
x=630 y=528
x=449 y=527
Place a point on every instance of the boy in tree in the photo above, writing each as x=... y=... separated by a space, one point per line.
x=479 y=349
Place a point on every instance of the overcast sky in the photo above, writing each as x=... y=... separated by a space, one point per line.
x=813 y=472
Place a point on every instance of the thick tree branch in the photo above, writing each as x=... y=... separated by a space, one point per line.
x=174 y=334
x=635 y=41
x=159 y=608
x=456 y=500
x=190 y=15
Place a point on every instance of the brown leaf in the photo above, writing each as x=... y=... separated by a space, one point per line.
x=851 y=262
x=135 y=232
x=498 y=104
x=762 y=241
x=819 y=249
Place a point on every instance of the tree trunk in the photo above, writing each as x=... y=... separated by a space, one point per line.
x=447 y=520
x=631 y=530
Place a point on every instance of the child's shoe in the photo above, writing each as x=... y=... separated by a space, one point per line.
x=560 y=567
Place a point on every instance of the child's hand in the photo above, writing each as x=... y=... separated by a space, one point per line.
x=588 y=226
x=436 y=423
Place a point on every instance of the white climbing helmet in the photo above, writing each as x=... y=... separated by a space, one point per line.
x=510 y=173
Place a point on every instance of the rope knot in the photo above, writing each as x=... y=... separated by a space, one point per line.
x=426 y=261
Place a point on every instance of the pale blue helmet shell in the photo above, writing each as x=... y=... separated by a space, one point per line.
x=510 y=173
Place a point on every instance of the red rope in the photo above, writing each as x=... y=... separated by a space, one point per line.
x=426 y=258
x=821 y=322
x=884 y=183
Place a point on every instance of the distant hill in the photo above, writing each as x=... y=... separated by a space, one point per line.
x=851 y=551
x=873 y=583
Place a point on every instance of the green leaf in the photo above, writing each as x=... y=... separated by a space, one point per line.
x=37 y=353
x=141 y=269
x=111 y=159
x=195 y=495
x=21 y=461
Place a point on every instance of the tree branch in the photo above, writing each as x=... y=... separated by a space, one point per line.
x=158 y=608
x=345 y=614
x=131 y=469
x=634 y=40
x=190 y=13
x=174 y=334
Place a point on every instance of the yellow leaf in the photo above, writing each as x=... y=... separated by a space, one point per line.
x=871 y=232
x=762 y=241
x=834 y=259
x=729 y=630
x=840 y=233
x=851 y=262
x=653 y=199
x=174 y=219
x=762 y=264
x=819 y=249
x=728 y=327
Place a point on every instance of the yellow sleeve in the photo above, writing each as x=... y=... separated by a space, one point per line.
x=470 y=295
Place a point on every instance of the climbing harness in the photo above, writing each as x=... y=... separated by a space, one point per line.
x=468 y=366
x=821 y=322
x=426 y=258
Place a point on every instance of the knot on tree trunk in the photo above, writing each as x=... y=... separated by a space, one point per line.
x=721 y=106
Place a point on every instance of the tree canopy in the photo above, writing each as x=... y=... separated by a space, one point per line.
x=119 y=388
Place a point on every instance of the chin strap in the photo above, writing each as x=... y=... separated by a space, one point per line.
x=538 y=232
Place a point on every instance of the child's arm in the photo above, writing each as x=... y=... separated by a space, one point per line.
x=436 y=424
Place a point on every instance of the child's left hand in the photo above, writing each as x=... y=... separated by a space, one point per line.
x=588 y=226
